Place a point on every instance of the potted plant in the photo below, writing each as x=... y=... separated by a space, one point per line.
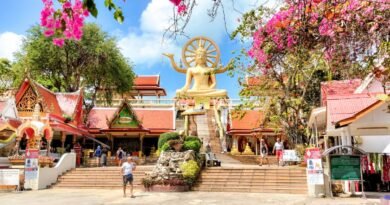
x=67 y=118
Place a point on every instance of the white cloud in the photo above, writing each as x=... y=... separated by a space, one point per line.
x=9 y=44
x=144 y=48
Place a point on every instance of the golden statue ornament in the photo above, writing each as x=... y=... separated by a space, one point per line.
x=201 y=56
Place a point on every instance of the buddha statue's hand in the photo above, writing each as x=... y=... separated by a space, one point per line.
x=169 y=55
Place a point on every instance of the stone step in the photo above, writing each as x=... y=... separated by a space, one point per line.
x=253 y=183
x=258 y=187
x=96 y=178
x=82 y=186
x=255 y=174
x=250 y=190
x=97 y=183
x=99 y=177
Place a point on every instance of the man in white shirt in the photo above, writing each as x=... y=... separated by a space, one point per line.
x=278 y=147
x=127 y=172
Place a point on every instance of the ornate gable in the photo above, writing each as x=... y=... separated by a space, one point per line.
x=28 y=101
x=125 y=117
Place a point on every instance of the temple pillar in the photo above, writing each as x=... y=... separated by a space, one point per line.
x=74 y=139
x=141 y=138
x=48 y=147
x=186 y=131
x=63 y=138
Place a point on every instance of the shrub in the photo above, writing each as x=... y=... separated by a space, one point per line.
x=165 y=137
x=193 y=138
x=165 y=147
x=190 y=170
x=192 y=145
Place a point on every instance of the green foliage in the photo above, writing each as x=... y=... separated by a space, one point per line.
x=165 y=147
x=192 y=145
x=95 y=63
x=6 y=75
x=192 y=138
x=165 y=137
x=190 y=170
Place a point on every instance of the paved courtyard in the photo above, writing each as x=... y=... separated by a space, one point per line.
x=114 y=197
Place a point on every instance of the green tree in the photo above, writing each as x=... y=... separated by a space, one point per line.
x=94 y=63
x=6 y=75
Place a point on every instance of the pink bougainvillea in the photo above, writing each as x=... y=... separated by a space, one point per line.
x=64 y=23
x=321 y=23
x=181 y=6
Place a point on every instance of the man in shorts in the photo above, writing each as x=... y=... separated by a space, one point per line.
x=278 y=147
x=263 y=152
x=127 y=172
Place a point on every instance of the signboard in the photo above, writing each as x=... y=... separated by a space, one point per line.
x=314 y=172
x=315 y=177
x=9 y=177
x=312 y=153
x=345 y=167
x=31 y=169
x=290 y=155
x=386 y=168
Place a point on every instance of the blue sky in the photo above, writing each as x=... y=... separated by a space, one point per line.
x=140 y=37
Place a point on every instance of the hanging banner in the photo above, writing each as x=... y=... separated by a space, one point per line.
x=386 y=168
x=31 y=169
x=312 y=153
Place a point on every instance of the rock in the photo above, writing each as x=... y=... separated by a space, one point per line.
x=168 y=165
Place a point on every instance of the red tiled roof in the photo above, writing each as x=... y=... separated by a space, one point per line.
x=49 y=99
x=147 y=80
x=3 y=105
x=251 y=120
x=150 y=119
x=343 y=87
x=14 y=123
x=97 y=117
x=156 y=119
x=340 y=107
x=68 y=102
x=57 y=103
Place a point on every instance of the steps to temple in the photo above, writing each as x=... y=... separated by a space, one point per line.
x=213 y=137
x=202 y=128
x=99 y=178
x=262 y=180
x=254 y=159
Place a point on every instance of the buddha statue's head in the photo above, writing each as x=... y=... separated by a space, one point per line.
x=200 y=55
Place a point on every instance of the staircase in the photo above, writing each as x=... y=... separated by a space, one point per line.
x=202 y=128
x=99 y=178
x=261 y=180
x=214 y=138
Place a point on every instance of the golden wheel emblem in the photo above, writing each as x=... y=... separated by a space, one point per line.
x=189 y=51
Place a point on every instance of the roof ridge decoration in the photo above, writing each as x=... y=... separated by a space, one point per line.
x=124 y=119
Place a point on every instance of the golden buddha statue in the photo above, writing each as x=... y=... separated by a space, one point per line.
x=201 y=56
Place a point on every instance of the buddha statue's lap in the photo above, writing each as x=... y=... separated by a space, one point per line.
x=201 y=93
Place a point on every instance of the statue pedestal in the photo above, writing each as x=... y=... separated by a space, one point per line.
x=202 y=102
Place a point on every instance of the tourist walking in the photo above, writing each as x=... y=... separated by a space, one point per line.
x=120 y=154
x=127 y=172
x=263 y=152
x=98 y=154
x=278 y=147
x=104 y=156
